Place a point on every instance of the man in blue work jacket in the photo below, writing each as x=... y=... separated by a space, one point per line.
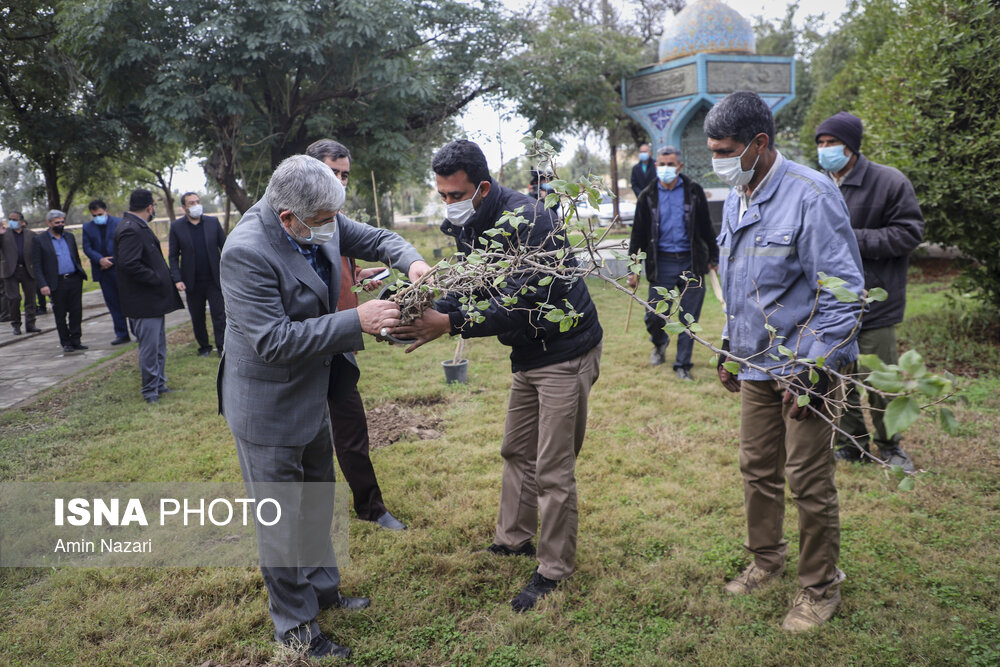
x=783 y=224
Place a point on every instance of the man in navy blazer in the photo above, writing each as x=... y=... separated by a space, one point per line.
x=195 y=248
x=60 y=276
x=99 y=246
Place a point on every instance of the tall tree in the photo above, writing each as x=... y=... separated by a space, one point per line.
x=249 y=82
x=48 y=111
x=570 y=77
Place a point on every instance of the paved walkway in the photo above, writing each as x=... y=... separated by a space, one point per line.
x=30 y=363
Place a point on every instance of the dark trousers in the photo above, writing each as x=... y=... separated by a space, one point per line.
x=671 y=273
x=296 y=594
x=197 y=294
x=109 y=289
x=12 y=296
x=67 y=306
x=350 y=442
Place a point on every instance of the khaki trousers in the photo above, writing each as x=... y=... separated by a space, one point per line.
x=773 y=447
x=546 y=422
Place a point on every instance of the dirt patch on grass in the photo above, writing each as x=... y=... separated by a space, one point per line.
x=409 y=418
x=933 y=269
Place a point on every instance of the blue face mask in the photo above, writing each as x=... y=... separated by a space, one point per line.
x=101 y=219
x=832 y=158
x=666 y=173
x=643 y=156
x=546 y=186
x=12 y=223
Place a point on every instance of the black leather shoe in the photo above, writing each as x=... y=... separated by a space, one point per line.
x=121 y=341
x=537 y=588
x=348 y=603
x=204 y=352
x=320 y=646
x=851 y=453
x=526 y=549
x=69 y=348
x=80 y=346
x=152 y=399
x=168 y=390
x=31 y=328
x=16 y=328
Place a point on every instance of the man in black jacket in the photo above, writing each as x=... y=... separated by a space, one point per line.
x=553 y=369
x=146 y=290
x=672 y=226
x=194 y=250
x=888 y=224
x=643 y=172
x=60 y=276
x=17 y=272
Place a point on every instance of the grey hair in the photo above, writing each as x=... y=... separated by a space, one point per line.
x=741 y=116
x=305 y=186
x=327 y=148
x=671 y=150
x=53 y=214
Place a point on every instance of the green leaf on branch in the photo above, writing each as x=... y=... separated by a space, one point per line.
x=551 y=200
x=566 y=324
x=545 y=281
x=474 y=259
x=900 y=415
x=877 y=294
x=844 y=295
x=661 y=307
x=913 y=364
x=732 y=367
x=673 y=328
x=887 y=381
x=785 y=352
x=906 y=484
x=689 y=318
x=695 y=327
x=555 y=315
x=813 y=376
x=830 y=282
x=802 y=400
x=948 y=421
x=820 y=361
x=871 y=362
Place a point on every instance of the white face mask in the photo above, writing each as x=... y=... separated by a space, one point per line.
x=317 y=235
x=666 y=173
x=730 y=169
x=195 y=211
x=459 y=213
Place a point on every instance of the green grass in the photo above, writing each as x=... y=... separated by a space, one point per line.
x=661 y=524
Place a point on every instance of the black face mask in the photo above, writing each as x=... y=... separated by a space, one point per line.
x=58 y=229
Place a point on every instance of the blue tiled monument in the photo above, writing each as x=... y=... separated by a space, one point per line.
x=707 y=51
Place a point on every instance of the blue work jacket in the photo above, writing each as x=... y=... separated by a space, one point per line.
x=770 y=259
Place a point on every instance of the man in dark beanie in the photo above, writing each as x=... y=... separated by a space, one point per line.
x=146 y=290
x=888 y=224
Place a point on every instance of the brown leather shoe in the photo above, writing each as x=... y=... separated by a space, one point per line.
x=752 y=579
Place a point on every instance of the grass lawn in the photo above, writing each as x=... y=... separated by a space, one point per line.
x=661 y=522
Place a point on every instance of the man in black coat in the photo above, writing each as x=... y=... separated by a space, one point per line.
x=644 y=171
x=554 y=367
x=888 y=224
x=17 y=272
x=673 y=227
x=146 y=290
x=60 y=276
x=195 y=248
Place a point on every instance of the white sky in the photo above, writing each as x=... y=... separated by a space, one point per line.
x=483 y=125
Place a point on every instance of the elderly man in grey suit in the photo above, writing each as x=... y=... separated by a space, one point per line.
x=288 y=349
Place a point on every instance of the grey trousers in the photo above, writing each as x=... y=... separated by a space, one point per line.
x=546 y=423
x=296 y=594
x=151 y=333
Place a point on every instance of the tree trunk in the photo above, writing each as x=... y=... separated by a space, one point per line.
x=50 y=170
x=613 y=162
x=221 y=167
x=229 y=207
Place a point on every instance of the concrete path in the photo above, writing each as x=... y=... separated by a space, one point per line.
x=30 y=363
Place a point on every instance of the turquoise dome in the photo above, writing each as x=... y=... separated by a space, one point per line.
x=706 y=26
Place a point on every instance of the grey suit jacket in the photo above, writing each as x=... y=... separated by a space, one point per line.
x=285 y=341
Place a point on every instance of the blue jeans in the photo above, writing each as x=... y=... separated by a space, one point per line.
x=670 y=273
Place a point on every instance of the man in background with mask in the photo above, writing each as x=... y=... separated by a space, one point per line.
x=60 y=276
x=288 y=352
x=782 y=225
x=673 y=227
x=553 y=369
x=99 y=246
x=195 y=247
x=17 y=272
x=147 y=293
x=643 y=172
x=888 y=224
